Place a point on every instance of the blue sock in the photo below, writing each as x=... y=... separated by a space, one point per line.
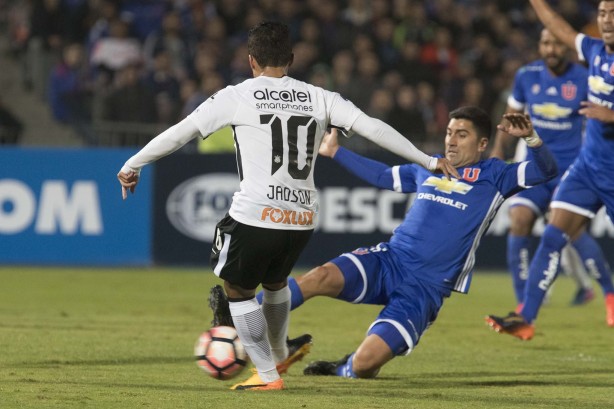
x=518 y=262
x=543 y=271
x=296 y=295
x=346 y=370
x=594 y=261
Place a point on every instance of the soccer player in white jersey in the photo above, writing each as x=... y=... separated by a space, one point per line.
x=278 y=124
x=551 y=90
x=587 y=185
x=432 y=252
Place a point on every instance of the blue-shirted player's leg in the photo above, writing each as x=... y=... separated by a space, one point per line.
x=412 y=307
x=518 y=259
x=594 y=261
x=351 y=277
x=543 y=270
x=574 y=203
x=606 y=194
x=542 y=273
x=525 y=208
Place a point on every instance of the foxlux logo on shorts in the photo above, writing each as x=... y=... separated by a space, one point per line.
x=195 y=206
x=287 y=216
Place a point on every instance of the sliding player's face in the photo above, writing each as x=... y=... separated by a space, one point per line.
x=463 y=146
x=605 y=22
x=553 y=52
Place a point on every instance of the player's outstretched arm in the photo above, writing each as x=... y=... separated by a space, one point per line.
x=385 y=136
x=165 y=143
x=555 y=23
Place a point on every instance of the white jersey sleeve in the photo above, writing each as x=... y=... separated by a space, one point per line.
x=344 y=114
x=217 y=112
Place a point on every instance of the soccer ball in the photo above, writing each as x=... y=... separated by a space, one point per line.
x=220 y=353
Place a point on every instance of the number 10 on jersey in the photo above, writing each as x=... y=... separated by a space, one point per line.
x=292 y=127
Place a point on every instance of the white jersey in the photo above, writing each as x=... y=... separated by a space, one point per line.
x=278 y=125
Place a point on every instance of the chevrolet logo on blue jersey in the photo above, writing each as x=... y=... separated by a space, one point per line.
x=599 y=86
x=447 y=186
x=551 y=110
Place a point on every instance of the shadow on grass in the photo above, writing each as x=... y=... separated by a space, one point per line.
x=146 y=360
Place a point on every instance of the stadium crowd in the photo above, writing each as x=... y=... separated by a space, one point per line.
x=151 y=62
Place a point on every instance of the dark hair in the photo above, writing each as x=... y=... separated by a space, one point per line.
x=479 y=118
x=269 y=43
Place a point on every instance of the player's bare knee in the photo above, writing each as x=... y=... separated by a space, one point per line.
x=365 y=365
x=322 y=280
x=522 y=220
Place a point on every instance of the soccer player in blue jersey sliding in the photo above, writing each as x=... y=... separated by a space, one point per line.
x=432 y=253
x=551 y=91
x=588 y=184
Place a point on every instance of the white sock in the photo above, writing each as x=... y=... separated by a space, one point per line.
x=252 y=329
x=276 y=309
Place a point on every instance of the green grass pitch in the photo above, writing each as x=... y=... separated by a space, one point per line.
x=123 y=338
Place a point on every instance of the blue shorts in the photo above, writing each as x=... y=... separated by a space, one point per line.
x=537 y=198
x=583 y=190
x=373 y=276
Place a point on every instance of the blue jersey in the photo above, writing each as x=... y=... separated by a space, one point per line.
x=599 y=145
x=441 y=232
x=553 y=103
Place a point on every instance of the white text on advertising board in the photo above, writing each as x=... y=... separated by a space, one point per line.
x=59 y=209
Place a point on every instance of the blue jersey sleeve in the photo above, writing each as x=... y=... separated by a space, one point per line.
x=517 y=176
x=585 y=44
x=397 y=178
x=518 y=99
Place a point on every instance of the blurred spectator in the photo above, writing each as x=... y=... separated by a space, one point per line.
x=76 y=20
x=130 y=101
x=311 y=34
x=343 y=72
x=357 y=13
x=47 y=23
x=383 y=31
x=103 y=13
x=435 y=114
x=410 y=66
x=366 y=80
x=10 y=126
x=305 y=56
x=381 y=104
x=115 y=52
x=440 y=54
x=168 y=39
x=161 y=81
x=69 y=93
x=321 y=77
x=406 y=118
x=145 y=16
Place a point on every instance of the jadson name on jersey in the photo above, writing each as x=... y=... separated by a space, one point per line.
x=284 y=95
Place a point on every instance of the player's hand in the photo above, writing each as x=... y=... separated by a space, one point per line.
x=517 y=125
x=330 y=144
x=595 y=111
x=444 y=166
x=128 y=181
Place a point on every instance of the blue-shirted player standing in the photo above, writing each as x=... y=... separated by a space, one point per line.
x=587 y=185
x=416 y=270
x=550 y=90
